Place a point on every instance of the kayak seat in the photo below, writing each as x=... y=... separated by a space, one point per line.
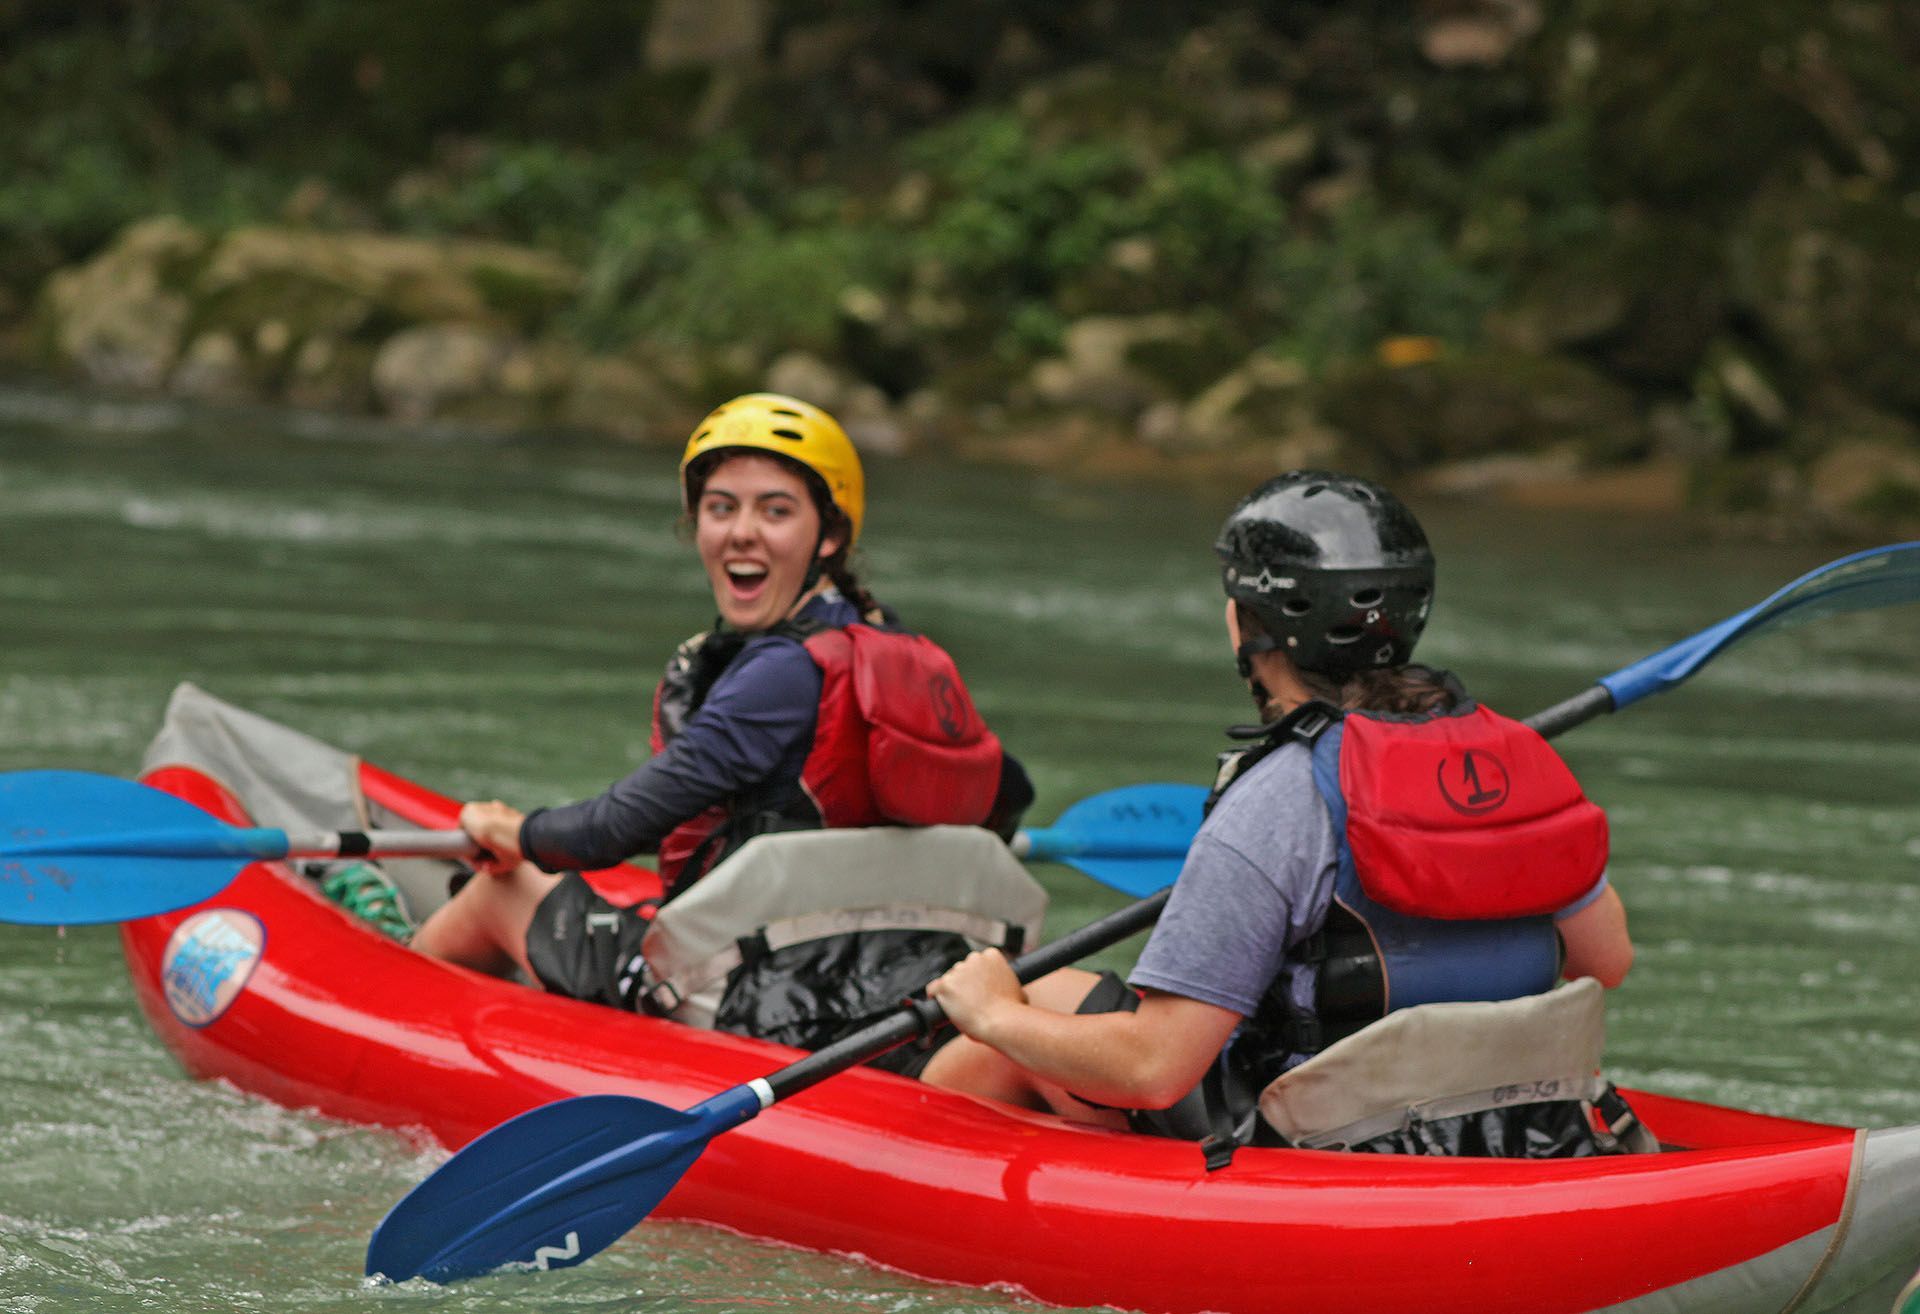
x=828 y=926
x=1519 y=1077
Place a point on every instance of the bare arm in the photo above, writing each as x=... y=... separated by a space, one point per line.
x=1597 y=942
x=1143 y=1060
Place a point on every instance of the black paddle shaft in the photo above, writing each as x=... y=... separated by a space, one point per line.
x=1595 y=700
x=919 y=1017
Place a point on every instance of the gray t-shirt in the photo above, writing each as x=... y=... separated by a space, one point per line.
x=1257 y=881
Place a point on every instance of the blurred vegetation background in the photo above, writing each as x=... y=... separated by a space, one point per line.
x=1648 y=250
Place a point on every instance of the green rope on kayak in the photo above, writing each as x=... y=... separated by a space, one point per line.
x=369 y=894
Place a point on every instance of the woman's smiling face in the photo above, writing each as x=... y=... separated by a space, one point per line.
x=758 y=532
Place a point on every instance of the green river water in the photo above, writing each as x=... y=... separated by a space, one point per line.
x=489 y=615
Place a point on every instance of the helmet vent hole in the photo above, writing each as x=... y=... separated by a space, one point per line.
x=1341 y=635
x=1313 y=490
x=1367 y=599
x=790 y=435
x=787 y=411
x=703 y=434
x=1296 y=606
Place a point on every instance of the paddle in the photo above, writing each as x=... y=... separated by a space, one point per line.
x=557 y=1184
x=1132 y=839
x=1877 y=577
x=79 y=848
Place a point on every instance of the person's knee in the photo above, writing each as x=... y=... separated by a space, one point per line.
x=968 y=1066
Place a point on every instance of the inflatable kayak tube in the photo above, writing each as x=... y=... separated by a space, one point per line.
x=273 y=988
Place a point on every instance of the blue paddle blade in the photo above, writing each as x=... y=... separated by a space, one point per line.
x=1133 y=839
x=1137 y=877
x=549 y=1188
x=1878 y=577
x=57 y=867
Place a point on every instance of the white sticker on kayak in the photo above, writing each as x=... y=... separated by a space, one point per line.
x=208 y=961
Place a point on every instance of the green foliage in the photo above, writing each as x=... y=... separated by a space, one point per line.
x=1034 y=230
x=537 y=192
x=83 y=196
x=1533 y=197
x=758 y=285
x=1372 y=276
x=666 y=268
x=1018 y=217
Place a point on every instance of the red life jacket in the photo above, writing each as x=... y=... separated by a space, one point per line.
x=897 y=740
x=1465 y=817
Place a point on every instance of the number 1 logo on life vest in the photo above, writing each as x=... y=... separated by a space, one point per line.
x=1473 y=784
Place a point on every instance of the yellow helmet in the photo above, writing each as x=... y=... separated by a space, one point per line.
x=785 y=426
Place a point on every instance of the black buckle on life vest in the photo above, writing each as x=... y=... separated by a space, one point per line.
x=1303 y=1033
x=1310 y=720
x=660 y=1000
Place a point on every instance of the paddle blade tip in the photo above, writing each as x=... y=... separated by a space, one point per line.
x=548 y=1189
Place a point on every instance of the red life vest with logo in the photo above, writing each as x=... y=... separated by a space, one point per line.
x=1463 y=817
x=1460 y=833
x=897 y=740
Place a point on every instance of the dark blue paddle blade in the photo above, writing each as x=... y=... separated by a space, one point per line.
x=1878 y=577
x=549 y=1188
x=1133 y=839
x=68 y=811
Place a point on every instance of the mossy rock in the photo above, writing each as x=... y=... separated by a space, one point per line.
x=525 y=288
x=369 y=285
x=1187 y=363
x=1474 y=405
x=1864 y=471
x=123 y=318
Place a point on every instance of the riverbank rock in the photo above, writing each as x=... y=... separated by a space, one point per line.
x=1865 y=483
x=613 y=395
x=1098 y=366
x=121 y=319
x=337 y=320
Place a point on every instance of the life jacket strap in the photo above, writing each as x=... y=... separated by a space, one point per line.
x=1304 y=724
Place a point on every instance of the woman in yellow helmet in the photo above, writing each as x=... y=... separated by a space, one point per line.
x=757 y=724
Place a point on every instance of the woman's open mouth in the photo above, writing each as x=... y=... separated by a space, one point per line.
x=746 y=579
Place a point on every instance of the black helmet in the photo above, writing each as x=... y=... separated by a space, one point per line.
x=1335 y=569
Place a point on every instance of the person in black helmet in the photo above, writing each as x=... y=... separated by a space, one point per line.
x=1383 y=841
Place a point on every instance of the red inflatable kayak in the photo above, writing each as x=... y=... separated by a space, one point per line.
x=275 y=989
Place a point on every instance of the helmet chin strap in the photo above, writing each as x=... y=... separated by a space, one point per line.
x=1243 y=662
x=817 y=566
